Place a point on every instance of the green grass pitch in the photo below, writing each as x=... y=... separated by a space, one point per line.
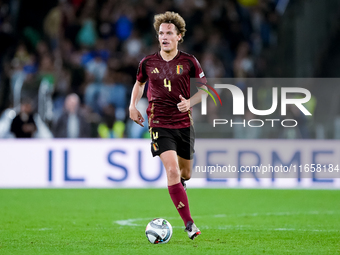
x=112 y=221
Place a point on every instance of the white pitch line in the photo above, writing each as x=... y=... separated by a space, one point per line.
x=275 y=214
x=132 y=222
x=302 y=230
x=38 y=229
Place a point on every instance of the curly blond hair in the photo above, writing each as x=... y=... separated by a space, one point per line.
x=170 y=17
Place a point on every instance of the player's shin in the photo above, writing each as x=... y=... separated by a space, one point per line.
x=180 y=200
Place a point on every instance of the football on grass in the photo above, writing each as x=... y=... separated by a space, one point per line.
x=158 y=231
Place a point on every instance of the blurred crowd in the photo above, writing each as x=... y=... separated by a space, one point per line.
x=77 y=70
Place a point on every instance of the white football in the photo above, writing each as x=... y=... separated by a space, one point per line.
x=158 y=231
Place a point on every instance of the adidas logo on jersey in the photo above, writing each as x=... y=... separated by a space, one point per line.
x=155 y=71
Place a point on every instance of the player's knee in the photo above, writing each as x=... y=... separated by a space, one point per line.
x=173 y=173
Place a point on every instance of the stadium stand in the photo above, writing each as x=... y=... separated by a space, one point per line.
x=92 y=48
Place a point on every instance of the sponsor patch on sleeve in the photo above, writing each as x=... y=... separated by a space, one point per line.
x=201 y=74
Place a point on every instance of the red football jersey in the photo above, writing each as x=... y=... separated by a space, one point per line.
x=167 y=80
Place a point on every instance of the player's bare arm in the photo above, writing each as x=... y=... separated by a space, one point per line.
x=185 y=104
x=136 y=95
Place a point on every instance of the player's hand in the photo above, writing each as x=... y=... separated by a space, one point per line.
x=184 y=105
x=136 y=116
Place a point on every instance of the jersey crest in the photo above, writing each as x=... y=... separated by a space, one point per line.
x=179 y=69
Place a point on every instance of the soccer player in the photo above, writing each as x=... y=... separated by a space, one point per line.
x=168 y=73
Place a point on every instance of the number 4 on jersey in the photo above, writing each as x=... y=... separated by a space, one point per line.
x=167 y=84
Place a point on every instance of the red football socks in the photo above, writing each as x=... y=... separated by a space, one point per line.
x=180 y=200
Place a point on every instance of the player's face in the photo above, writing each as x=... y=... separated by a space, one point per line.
x=168 y=37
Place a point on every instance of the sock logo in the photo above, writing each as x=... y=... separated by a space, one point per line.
x=180 y=205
